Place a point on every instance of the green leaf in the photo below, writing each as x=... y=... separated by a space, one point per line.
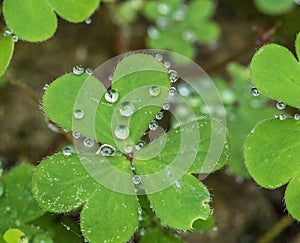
x=274 y=7
x=117 y=216
x=157 y=235
x=17 y=185
x=155 y=9
x=7 y=49
x=15 y=236
x=298 y=46
x=276 y=73
x=74 y=10
x=31 y=20
x=187 y=199
x=204 y=225
x=272 y=158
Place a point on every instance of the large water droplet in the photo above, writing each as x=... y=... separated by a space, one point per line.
x=159 y=115
x=153 y=125
x=67 y=151
x=297 y=117
x=76 y=135
x=153 y=32
x=139 y=145
x=126 y=109
x=172 y=91
x=136 y=179
x=78 y=114
x=88 y=142
x=88 y=21
x=166 y=106
x=163 y=8
x=15 y=38
x=255 y=91
x=280 y=105
x=122 y=132
x=154 y=91
x=173 y=75
x=106 y=150
x=111 y=96
x=78 y=69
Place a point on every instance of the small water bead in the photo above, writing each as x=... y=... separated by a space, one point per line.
x=166 y=106
x=111 y=96
x=46 y=86
x=15 y=38
x=88 y=21
x=8 y=32
x=282 y=117
x=172 y=91
x=139 y=145
x=89 y=71
x=162 y=22
x=76 y=135
x=159 y=115
x=88 y=142
x=78 y=114
x=280 y=105
x=153 y=125
x=128 y=149
x=159 y=57
x=167 y=64
x=179 y=15
x=255 y=91
x=297 y=117
x=154 y=91
x=67 y=151
x=153 y=32
x=106 y=150
x=163 y=8
x=136 y=179
x=122 y=132
x=132 y=167
x=173 y=75
x=127 y=109
x=183 y=90
x=78 y=70
x=189 y=36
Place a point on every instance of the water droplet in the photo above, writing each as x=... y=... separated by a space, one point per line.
x=159 y=57
x=46 y=86
x=163 y=8
x=139 y=145
x=111 y=96
x=173 y=75
x=8 y=32
x=7 y=209
x=89 y=71
x=167 y=64
x=78 y=114
x=153 y=32
x=282 y=117
x=280 y=105
x=88 y=21
x=154 y=91
x=255 y=91
x=132 y=167
x=136 y=179
x=162 y=22
x=78 y=69
x=172 y=91
x=128 y=149
x=140 y=218
x=88 y=142
x=159 y=115
x=297 y=117
x=122 y=132
x=166 y=107
x=126 y=109
x=76 y=135
x=67 y=151
x=106 y=150
x=215 y=228
x=189 y=36
x=153 y=125
x=15 y=38
x=1 y=188
x=179 y=15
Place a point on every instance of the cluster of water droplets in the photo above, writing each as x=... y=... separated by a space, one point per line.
x=9 y=32
x=79 y=69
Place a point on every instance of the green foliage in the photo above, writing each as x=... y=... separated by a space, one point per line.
x=62 y=182
x=180 y=26
x=15 y=236
x=271 y=149
x=40 y=17
x=274 y=7
x=157 y=235
x=7 y=48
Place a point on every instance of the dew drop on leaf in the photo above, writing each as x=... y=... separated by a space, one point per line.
x=126 y=109
x=89 y=71
x=254 y=91
x=172 y=91
x=15 y=38
x=76 y=135
x=122 y=131
x=162 y=22
x=88 y=142
x=167 y=64
x=88 y=21
x=183 y=90
x=78 y=114
x=153 y=33
x=67 y=151
x=132 y=167
x=189 y=36
x=159 y=115
x=106 y=150
x=128 y=148
x=159 y=57
x=166 y=106
x=78 y=69
x=154 y=91
x=280 y=105
x=153 y=125
x=282 y=117
x=136 y=179
x=163 y=8
x=111 y=96
x=8 y=32
x=173 y=75
x=139 y=145
x=46 y=86
x=297 y=117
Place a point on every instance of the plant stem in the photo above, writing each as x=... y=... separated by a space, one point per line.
x=276 y=230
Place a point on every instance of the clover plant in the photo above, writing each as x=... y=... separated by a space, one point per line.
x=271 y=150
